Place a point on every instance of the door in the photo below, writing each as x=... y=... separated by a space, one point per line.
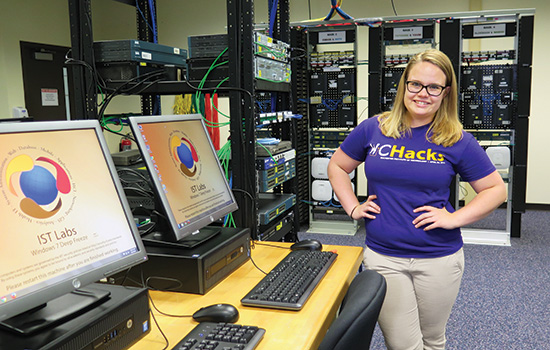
x=46 y=81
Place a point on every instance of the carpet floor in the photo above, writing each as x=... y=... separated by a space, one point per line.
x=504 y=298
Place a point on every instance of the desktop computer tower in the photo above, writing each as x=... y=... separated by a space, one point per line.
x=190 y=270
x=115 y=324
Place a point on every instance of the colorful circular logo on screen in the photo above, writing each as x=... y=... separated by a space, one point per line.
x=39 y=183
x=185 y=155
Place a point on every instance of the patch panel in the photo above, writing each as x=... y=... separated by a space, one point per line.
x=487 y=98
x=484 y=56
x=331 y=58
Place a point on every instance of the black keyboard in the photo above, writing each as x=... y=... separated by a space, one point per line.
x=289 y=284
x=221 y=336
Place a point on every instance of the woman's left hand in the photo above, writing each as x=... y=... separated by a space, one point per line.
x=433 y=218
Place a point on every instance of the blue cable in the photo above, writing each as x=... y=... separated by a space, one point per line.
x=273 y=101
x=154 y=25
x=335 y=7
x=143 y=16
x=272 y=15
x=342 y=13
x=262 y=105
x=331 y=104
x=330 y=14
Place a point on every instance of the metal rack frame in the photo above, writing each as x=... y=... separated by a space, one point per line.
x=240 y=24
x=328 y=220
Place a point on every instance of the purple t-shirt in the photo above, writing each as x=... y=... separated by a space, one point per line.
x=408 y=173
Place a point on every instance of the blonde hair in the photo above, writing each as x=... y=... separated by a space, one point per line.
x=446 y=129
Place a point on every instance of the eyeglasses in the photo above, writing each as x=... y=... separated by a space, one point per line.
x=432 y=89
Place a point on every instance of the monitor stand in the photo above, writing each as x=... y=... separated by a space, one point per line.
x=56 y=311
x=164 y=239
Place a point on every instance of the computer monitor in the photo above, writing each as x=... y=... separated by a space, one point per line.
x=65 y=221
x=190 y=185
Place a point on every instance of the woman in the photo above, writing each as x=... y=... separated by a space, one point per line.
x=411 y=154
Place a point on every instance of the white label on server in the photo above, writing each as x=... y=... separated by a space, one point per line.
x=407 y=33
x=146 y=55
x=490 y=30
x=332 y=37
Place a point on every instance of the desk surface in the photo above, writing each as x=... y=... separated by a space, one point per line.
x=302 y=329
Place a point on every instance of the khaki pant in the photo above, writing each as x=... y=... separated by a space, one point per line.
x=419 y=298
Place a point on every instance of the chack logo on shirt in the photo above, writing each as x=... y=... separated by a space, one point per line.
x=394 y=152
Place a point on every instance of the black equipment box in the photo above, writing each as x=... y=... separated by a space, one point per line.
x=139 y=51
x=114 y=325
x=270 y=150
x=191 y=270
x=122 y=72
x=207 y=45
x=201 y=68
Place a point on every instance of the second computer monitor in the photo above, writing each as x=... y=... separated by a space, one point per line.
x=186 y=174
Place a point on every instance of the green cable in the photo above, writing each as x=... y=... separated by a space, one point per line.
x=231 y=221
x=275 y=53
x=107 y=127
x=101 y=93
x=212 y=101
x=224 y=159
x=203 y=80
x=197 y=96
x=212 y=66
x=105 y=121
x=217 y=124
x=271 y=155
x=223 y=154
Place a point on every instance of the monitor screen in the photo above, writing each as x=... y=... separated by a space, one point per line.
x=65 y=220
x=186 y=174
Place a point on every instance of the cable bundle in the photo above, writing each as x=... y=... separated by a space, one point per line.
x=335 y=8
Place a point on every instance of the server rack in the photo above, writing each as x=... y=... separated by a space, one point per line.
x=80 y=16
x=331 y=99
x=282 y=217
x=495 y=94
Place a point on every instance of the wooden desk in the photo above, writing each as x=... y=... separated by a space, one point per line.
x=288 y=330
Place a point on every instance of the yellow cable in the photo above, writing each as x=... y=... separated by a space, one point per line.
x=183 y=105
x=178 y=104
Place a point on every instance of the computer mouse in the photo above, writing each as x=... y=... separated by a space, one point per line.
x=307 y=244
x=217 y=313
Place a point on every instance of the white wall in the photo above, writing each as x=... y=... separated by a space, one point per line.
x=47 y=22
x=35 y=21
